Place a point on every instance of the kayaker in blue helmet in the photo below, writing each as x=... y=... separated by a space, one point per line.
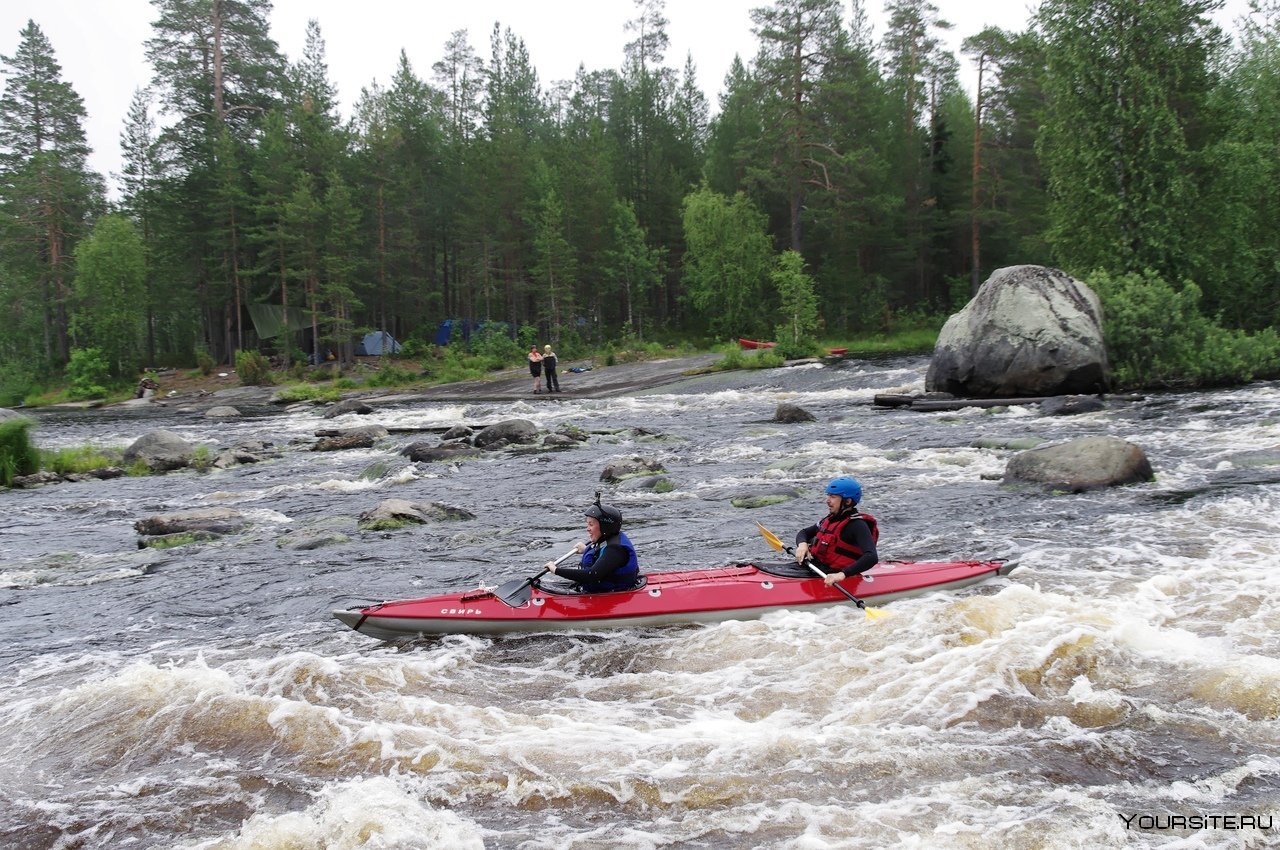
x=843 y=543
x=608 y=559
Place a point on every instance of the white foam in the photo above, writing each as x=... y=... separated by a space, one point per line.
x=357 y=814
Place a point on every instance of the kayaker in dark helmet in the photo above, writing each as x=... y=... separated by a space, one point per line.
x=608 y=559
x=843 y=543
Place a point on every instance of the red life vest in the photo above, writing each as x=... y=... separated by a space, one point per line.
x=832 y=552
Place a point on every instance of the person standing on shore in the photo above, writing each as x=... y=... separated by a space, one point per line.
x=535 y=368
x=549 y=367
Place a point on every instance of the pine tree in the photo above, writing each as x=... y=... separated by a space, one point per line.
x=1128 y=82
x=920 y=75
x=218 y=72
x=630 y=267
x=139 y=183
x=798 y=39
x=47 y=192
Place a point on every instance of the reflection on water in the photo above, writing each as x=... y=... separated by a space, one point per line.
x=202 y=697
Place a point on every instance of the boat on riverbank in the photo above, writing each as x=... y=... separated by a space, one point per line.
x=734 y=592
x=754 y=344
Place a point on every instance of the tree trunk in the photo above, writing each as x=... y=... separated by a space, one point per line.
x=975 y=242
x=218 y=104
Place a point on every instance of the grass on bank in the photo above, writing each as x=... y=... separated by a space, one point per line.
x=78 y=459
x=425 y=365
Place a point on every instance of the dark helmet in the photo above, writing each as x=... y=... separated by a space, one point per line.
x=845 y=488
x=610 y=518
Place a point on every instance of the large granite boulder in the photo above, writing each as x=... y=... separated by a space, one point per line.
x=427 y=452
x=507 y=432
x=1030 y=331
x=161 y=451
x=1085 y=464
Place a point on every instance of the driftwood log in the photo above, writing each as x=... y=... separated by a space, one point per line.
x=933 y=403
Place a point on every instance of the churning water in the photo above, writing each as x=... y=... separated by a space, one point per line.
x=1118 y=686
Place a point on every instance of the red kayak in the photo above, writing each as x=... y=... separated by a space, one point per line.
x=751 y=343
x=736 y=592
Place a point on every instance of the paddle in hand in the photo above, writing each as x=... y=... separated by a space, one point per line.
x=517 y=591
x=773 y=540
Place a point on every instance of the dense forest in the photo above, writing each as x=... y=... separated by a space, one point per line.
x=1131 y=139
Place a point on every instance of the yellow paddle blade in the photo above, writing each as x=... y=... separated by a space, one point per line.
x=771 y=538
x=876 y=613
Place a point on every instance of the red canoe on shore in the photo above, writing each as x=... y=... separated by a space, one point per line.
x=752 y=344
x=736 y=592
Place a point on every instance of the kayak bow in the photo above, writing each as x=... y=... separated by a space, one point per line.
x=735 y=592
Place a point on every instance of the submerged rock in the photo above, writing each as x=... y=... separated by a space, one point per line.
x=212 y=520
x=630 y=468
x=791 y=413
x=393 y=512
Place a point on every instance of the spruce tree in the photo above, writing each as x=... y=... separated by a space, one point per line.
x=47 y=192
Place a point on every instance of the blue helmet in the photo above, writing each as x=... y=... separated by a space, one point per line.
x=845 y=488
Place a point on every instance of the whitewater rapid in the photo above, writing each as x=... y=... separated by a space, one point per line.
x=1121 y=683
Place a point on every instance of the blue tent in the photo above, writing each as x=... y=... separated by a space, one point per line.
x=377 y=343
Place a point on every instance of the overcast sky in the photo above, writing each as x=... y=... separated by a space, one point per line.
x=100 y=43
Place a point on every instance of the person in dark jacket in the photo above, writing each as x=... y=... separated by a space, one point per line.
x=843 y=543
x=549 y=369
x=535 y=368
x=609 y=559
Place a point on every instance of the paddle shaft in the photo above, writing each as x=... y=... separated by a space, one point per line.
x=773 y=540
x=531 y=579
x=808 y=562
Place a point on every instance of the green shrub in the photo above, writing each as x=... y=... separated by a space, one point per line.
x=138 y=469
x=202 y=458
x=455 y=365
x=493 y=340
x=89 y=374
x=391 y=375
x=307 y=392
x=253 y=369
x=17 y=455
x=1156 y=336
x=16 y=383
x=796 y=350
x=761 y=358
x=204 y=362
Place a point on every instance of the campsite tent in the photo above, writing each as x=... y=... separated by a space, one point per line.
x=376 y=343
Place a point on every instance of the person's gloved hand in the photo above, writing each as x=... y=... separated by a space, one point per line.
x=551 y=566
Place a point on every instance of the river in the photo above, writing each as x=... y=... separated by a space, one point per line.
x=1120 y=684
